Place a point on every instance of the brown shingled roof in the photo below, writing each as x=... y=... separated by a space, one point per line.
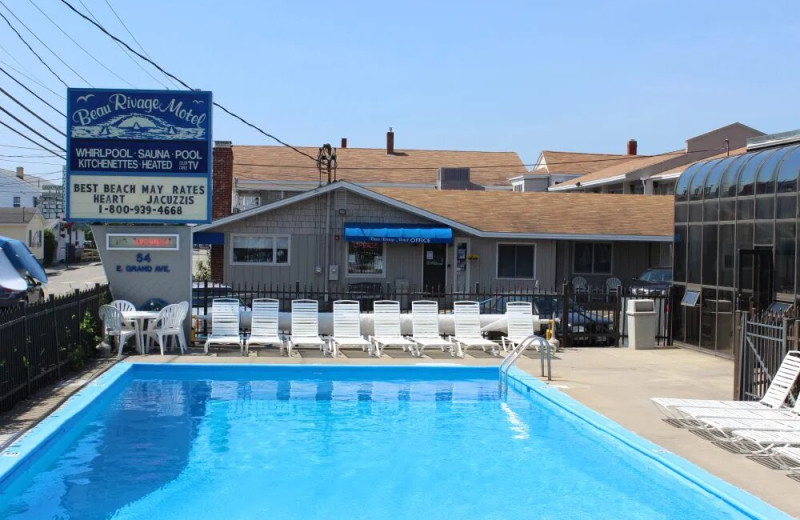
x=733 y=153
x=580 y=163
x=615 y=170
x=543 y=212
x=373 y=165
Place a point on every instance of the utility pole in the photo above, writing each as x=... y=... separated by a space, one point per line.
x=326 y=160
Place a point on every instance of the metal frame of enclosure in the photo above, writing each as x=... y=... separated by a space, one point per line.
x=735 y=246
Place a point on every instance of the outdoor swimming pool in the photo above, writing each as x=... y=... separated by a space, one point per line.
x=248 y=442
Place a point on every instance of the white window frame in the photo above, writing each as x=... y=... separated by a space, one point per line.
x=16 y=201
x=364 y=275
x=274 y=236
x=611 y=269
x=497 y=259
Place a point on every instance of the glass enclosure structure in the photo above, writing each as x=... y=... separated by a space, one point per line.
x=735 y=246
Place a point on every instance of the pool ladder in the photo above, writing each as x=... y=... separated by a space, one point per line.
x=516 y=352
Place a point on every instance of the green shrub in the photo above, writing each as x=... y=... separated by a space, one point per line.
x=50 y=245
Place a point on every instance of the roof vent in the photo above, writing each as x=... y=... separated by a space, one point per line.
x=455 y=179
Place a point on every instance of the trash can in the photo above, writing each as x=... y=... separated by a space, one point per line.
x=641 y=324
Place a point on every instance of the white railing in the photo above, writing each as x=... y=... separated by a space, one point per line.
x=516 y=352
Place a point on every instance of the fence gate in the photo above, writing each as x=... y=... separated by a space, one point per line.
x=764 y=343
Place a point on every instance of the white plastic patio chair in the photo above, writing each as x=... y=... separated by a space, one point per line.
x=169 y=324
x=264 y=324
x=305 y=325
x=467 y=318
x=425 y=326
x=613 y=284
x=519 y=320
x=114 y=326
x=775 y=396
x=224 y=323
x=347 y=327
x=766 y=439
x=579 y=283
x=387 y=333
x=123 y=305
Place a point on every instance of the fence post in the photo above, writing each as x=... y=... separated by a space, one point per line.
x=27 y=348
x=565 y=315
x=616 y=297
x=56 y=331
x=738 y=353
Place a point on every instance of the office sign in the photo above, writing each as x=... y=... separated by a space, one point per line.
x=140 y=242
x=140 y=156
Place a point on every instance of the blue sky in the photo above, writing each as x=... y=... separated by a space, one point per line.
x=519 y=76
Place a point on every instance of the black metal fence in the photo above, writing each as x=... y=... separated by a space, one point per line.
x=40 y=343
x=594 y=316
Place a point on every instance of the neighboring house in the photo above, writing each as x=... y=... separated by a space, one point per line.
x=553 y=168
x=658 y=174
x=26 y=225
x=17 y=191
x=264 y=174
x=343 y=234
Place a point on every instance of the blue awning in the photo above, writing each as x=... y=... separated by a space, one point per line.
x=206 y=237
x=403 y=233
x=21 y=258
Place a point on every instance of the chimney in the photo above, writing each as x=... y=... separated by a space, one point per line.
x=344 y=142
x=20 y=172
x=221 y=199
x=390 y=142
x=632 y=147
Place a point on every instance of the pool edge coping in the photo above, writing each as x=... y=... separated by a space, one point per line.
x=30 y=442
x=739 y=499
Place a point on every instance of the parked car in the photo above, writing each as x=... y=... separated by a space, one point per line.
x=654 y=281
x=598 y=328
x=21 y=275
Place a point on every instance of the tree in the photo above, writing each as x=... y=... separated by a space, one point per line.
x=50 y=245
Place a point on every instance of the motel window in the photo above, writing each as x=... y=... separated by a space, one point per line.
x=260 y=249
x=515 y=261
x=366 y=258
x=592 y=258
x=17 y=202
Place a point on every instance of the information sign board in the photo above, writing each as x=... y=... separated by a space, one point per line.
x=139 y=242
x=141 y=156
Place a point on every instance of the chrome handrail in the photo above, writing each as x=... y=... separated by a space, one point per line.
x=516 y=352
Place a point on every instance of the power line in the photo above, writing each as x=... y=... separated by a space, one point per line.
x=35 y=81
x=125 y=26
x=80 y=46
x=31 y=48
x=59 y=58
x=31 y=140
x=157 y=66
x=23 y=123
x=477 y=167
x=135 y=62
x=34 y=114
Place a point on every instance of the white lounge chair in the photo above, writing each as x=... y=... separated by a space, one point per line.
x=347 y=327
x=169 y=324
x=779 y=414
x=790 y=454
x=264 y=324
x=767 y=439
x=305 y=325
x=114 y=326
x=467 y=318
x=386 y=321
x=425 y=324
x=224 y=323
x=519 y=320
x=775 y=397
x=613 y=284
x=723 y=427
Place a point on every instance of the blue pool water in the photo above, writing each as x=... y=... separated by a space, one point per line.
x=199 y=442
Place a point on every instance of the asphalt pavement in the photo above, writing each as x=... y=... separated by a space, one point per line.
x=63 y=280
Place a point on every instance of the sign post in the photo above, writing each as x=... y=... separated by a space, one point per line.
x=142 y=159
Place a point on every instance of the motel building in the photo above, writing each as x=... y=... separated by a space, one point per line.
x=340 y=236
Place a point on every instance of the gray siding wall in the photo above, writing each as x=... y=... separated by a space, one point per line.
x=306 y=223
x=629 y=260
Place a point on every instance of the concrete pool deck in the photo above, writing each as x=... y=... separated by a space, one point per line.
x=617 y=383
